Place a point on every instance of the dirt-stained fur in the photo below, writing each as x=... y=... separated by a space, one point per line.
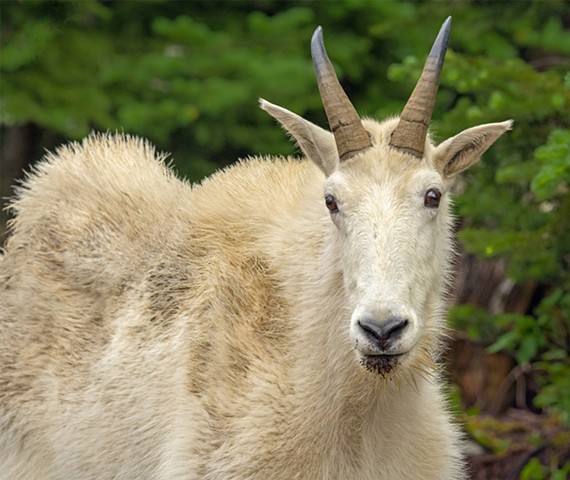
x=150 y=329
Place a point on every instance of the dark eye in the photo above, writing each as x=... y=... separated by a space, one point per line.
x=432 y=198
x=330 y=202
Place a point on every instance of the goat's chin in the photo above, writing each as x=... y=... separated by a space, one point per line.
x=411 y=365
x=382 y=365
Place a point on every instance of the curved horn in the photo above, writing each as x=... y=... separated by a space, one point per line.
x=410 y=134
x=349 y=134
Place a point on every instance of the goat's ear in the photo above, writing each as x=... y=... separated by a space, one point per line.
x=315 y=142
x=460 y=152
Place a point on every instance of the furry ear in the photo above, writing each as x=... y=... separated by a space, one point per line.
x=464 y=149
x=315 y=142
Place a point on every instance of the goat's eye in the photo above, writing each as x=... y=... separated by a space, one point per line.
x=330 y=202
x=432 y=198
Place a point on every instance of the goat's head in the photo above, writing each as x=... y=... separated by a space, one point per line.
x=386 y=189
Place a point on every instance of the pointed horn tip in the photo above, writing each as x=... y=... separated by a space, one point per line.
x=442 y=39
x=318 y=51
x=318 y=33
x=445 y=27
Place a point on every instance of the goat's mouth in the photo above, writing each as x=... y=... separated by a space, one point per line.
x=380 y=364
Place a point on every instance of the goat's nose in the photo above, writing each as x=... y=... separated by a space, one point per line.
x=383 y=334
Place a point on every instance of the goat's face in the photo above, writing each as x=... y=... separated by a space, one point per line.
x=391 y=214
x=386 y=191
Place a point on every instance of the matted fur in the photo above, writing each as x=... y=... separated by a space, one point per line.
x=154 y=330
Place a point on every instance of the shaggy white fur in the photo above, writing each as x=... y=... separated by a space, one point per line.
x=151 y=329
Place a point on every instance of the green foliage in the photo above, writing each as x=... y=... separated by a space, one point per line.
x=553 y=316
x=555 y=392
x=475 y=322
x=537 y=242
x=517 y=204
x=553 y=179
x=509 y=436
x=489 y=433
x=534 y=470
x=541 y=341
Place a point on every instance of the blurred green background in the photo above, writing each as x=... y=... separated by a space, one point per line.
x=187 y=76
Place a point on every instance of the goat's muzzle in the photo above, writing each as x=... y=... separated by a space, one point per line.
x=382 y=336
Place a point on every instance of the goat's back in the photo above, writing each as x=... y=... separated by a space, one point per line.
x=134 y=304
x=88 y=223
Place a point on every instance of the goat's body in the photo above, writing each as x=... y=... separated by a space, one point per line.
x=154 y=330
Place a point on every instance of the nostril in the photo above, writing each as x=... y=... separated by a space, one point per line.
x=383 y=334
x=396 y=325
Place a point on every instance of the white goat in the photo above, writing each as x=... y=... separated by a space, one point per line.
x=246 y=328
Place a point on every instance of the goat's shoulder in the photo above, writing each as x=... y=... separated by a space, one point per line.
x=257 y=189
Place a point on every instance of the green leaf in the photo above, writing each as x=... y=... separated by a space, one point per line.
x=506 y=341
x=527 y=349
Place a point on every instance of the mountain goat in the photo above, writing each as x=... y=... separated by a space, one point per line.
x=281 y=320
